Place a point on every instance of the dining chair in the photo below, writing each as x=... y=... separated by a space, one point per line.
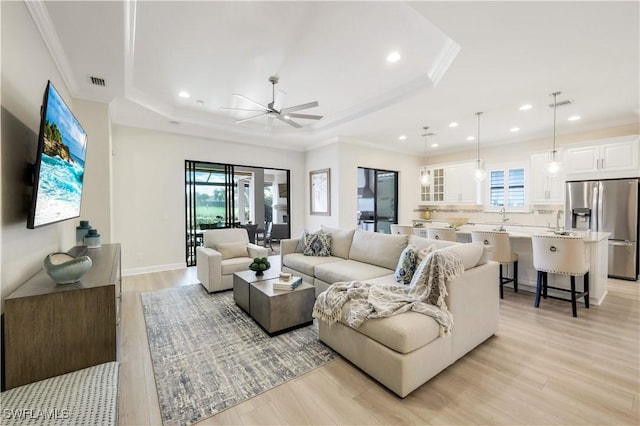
x=562 y=255
x=501 y=253
x=401 y=229
x=447 y=234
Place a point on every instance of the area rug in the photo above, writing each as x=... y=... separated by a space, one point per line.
x=209 y=355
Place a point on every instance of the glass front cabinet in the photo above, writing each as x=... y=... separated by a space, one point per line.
x=431 y=184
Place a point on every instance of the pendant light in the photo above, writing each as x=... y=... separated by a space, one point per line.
x=553 y=166
x=480 y=173
x=425 y=179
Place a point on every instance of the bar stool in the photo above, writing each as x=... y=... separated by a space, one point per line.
x=560 y=255
x=447 y=234
x=501 y=253
x=401 y=229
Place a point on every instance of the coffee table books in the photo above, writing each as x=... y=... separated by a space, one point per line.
x=285 y=284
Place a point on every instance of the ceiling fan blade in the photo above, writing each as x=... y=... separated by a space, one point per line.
x=307 y=116
x=250 y=100
x=243 y=109
x=289 y=122
x=250 y=118
x=299 y=107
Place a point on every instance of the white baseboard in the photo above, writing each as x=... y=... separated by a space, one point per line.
x=150 y=269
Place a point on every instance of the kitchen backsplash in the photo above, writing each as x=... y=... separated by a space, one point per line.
x=533 y=218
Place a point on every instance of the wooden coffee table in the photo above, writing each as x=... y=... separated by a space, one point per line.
x=276 y=311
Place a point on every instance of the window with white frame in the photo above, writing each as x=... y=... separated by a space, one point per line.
x=507 y=187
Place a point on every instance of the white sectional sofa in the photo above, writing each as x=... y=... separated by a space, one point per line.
x=404 y=351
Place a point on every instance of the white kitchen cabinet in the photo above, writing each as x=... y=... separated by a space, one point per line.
x=545 y=189
x=459 y=184
x=614 y=158
x=434 y=191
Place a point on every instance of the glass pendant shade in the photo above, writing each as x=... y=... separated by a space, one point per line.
x=479 y=173
x=554 y=166
x=425 y=177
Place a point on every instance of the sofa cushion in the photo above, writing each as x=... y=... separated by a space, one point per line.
x=403 y=333
x=237 y=264
x=306 y=264
x=406 y=265
x=231 y=250
x=349 y=270
x=341 y=240
x=318 y=244
x=470 y=253
x=377 y=249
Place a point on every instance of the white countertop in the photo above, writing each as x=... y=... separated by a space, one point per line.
x=524 y=231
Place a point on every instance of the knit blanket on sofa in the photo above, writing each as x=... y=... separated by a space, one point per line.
x=425 y=294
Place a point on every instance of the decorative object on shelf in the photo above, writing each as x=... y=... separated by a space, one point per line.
x=320 y=186
x=66 y=269
x=457 y=221
x=81 y=231
x=259 y=265
x=425 y=177
x=92 y=239
x=553 y=167
x=426 y=214
x=480 y=173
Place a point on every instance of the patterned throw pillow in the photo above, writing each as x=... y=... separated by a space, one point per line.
x=406 y=264
x=318 y=244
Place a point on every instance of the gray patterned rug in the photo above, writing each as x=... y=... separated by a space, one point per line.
x=208 y=354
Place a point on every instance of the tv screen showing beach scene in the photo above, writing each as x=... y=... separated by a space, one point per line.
x=60 y=163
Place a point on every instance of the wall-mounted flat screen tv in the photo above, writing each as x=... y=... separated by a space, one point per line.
x=60 y=163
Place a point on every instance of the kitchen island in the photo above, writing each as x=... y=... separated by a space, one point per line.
x=596 y=252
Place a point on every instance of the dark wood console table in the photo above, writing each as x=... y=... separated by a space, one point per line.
x=53 y=329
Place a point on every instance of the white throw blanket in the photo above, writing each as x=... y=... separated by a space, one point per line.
x=426 y=295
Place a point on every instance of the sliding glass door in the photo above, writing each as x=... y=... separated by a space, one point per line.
x=226 y=196
x=377 y=199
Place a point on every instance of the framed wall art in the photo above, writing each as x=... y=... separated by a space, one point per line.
x=320 y=186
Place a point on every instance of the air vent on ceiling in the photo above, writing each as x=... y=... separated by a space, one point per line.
x=97 y=81
x=561 y=103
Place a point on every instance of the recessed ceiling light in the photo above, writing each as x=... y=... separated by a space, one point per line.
x=402 y=137
x=526 y=107
x=434 y=145
x=393 y=57
x=453 y=124
x=184 y=94
x=471 y=138
x=574 y=118
x=514 y=129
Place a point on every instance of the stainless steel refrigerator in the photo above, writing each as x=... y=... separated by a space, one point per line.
x=608 y=206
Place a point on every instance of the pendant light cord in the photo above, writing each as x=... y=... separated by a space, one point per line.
x=555 y=107
x=478 y=159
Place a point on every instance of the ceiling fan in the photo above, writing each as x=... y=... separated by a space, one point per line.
x=284 y=114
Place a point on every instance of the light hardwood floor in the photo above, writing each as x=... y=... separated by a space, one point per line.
x=542 y=367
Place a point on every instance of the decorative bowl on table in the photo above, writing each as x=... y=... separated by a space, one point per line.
x=457 y=221
x=259 y=265
x=66 y=269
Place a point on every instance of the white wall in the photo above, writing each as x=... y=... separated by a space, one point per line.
x=344 y=157
x=96 y=197
x=149 y=197
x=26 y=67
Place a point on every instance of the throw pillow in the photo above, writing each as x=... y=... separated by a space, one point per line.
x=232 y=250
x=302 y=241
x=406 y=265
x=318 y=244
x=424 y=252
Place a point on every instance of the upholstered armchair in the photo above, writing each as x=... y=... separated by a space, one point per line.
x=225 y=251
